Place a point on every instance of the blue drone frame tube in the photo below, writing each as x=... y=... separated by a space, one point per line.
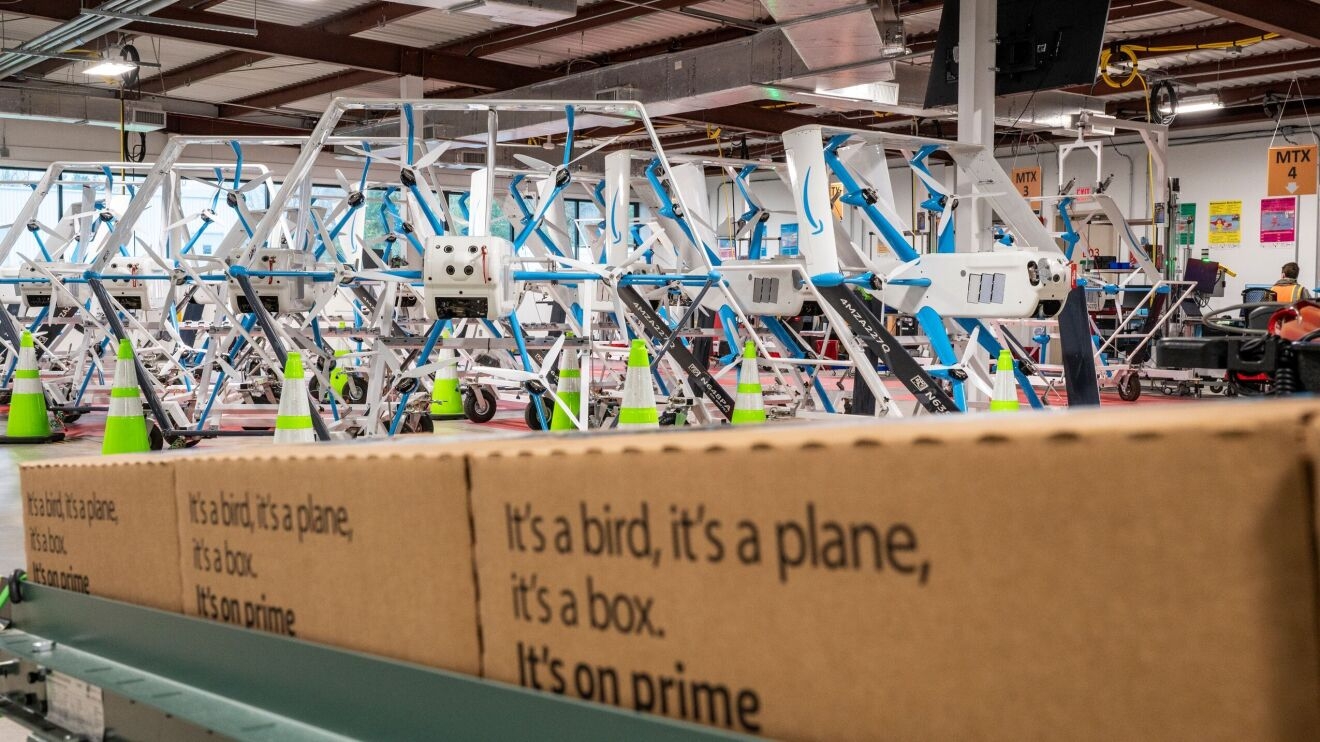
x=790 y=345
x=527 y=366
x=432 y=338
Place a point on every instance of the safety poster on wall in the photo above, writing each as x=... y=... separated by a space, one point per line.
x=1225 y=223
x=1278 y=222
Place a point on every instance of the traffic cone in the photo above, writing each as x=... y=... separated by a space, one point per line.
x=749 y=407
x=446 y=399
x=638 y=409
x=125 y=427
x=293 y=423
x=1005 y=398
x=28 y=417
x=338 y=376
x=569 y=391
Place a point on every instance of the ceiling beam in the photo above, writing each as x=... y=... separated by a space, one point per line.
x=348 y=23
x=1233 y=68
x=751 y=117
x=1295 y=19
x=1126 y=11
x=200 y=70
x=1179 y=40
x=601 y=14
x=1242 y=96
x=315 y=45
x=491 y=43
x=309 y=89
x=367 y=17
x=1218 y=34
x=1307 y=87
x=202 y=127
x=694 y=41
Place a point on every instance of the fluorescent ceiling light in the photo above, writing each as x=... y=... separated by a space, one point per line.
x=1194 y=107
x=19 y=116
x=883 y=93
x=128 y=126
x=1195 y=104
x=110 y=68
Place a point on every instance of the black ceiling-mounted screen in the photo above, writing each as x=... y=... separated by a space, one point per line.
x=1043 y=44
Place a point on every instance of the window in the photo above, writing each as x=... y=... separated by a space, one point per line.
x=585 y=221
x=15 y=189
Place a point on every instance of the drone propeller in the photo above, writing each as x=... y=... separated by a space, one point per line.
x=251 y=185
x=206 y=215
x=964 y=364
x=427 y=160
x=542 y=166
x=541 y=374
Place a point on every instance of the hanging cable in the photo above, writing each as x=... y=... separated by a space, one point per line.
x=131 y=82
x=1129 y=52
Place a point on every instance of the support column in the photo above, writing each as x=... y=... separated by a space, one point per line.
x=976 y=109
x=411 y=88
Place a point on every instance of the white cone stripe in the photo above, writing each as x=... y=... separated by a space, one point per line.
x=1005 y=386
x=293 y=399
x=27 y=386
x=748 y=373
x=449 y=370
x=637 y=391
x=301 y=435
x=27 y=359
x=569 y=385
x=125 y=407
x=125 y=375
x=748 y=401
x=569 y=362
x=294 y=404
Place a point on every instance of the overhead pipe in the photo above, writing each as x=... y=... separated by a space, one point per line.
x=74 y=32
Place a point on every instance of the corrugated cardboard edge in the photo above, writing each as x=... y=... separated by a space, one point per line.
x=1143 y=423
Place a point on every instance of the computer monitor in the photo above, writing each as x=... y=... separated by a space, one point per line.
x=1204 y=273
x=1043 y=44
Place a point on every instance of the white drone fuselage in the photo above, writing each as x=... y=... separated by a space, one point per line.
x=1009 y=283
x=1004 y=284
x=468 y=277
x=278 y=294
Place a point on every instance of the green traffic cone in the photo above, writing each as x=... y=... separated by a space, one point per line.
x=28 y=417
x=125 y=427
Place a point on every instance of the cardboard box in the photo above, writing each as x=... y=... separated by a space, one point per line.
x=363 y=547
x=105 y=527
x=935 y=579
x=928 y=579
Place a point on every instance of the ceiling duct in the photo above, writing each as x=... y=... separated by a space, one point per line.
x=763 y=65
x=75 y=32
x=1046 y=109
x=837 y=34
x=517 y=12
x=37 y=105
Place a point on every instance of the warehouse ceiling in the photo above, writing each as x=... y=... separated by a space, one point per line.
x=270 y=66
